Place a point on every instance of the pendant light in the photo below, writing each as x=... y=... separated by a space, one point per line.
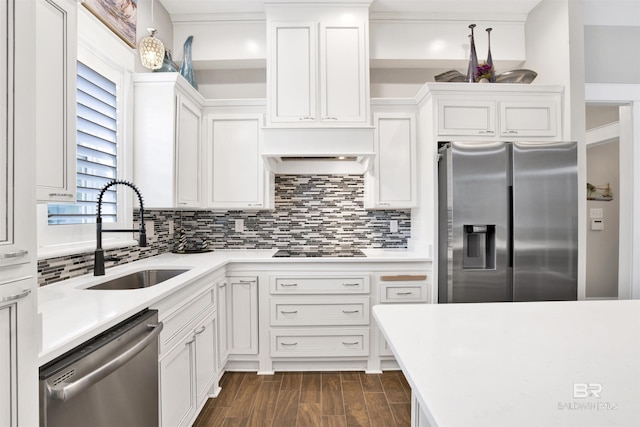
x=151 y=49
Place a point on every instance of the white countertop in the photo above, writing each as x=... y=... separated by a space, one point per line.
x=70 y=314
x=517 y=364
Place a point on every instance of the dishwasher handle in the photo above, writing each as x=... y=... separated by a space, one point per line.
x=66 y=391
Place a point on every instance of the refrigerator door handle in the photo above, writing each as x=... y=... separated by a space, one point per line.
x=510 y=226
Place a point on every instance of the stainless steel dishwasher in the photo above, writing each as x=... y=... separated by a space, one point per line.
x=111 y=380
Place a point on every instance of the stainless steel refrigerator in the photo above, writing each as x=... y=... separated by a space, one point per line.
x=508 y=221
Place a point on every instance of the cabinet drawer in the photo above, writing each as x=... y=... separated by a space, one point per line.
x=316 y=311
x=178 y=323
x=407 y=292
x=320 y=343
x=344 y=284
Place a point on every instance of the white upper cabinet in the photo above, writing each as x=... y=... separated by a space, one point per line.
x=167 y=141
x=56 y=36
x=392 y=182
x=292 y=71
x=318 y=66
x=236 y=172
x=502 y=111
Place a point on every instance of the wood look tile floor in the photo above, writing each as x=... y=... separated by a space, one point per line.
x=310 y=399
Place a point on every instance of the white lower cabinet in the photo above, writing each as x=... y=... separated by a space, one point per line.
x=223 y=324
x=7 y=366
x=319 y=315
x=243 y=315
x=397 y=288
x=418 y=417
x=177 y=384
x=188 y=352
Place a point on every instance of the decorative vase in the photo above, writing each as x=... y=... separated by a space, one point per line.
x=473 y=58
x=186 y=68
x=168 y=66
x=492 y=79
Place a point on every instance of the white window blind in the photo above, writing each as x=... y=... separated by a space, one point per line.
x=96 y=139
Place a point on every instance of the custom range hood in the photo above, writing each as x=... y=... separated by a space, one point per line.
x=318 y=150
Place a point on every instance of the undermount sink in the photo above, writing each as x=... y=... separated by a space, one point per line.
x=138 y=280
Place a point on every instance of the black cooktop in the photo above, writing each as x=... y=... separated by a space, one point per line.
x=287 y=253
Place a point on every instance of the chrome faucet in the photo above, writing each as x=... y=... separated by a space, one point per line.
x=98 y=263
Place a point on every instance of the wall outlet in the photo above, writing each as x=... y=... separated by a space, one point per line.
x=149 y=226
x=393 y=225
x=239 y=225
x=171 y=227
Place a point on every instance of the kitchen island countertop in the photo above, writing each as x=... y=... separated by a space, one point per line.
x=573 y=363
x=70 y=314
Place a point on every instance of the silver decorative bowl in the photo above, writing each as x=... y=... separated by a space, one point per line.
x=517 y=76
x=450 y=76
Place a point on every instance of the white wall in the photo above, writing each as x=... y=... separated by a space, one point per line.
x=602 y=246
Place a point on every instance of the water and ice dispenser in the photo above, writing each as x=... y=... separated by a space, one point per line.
x=479 y=247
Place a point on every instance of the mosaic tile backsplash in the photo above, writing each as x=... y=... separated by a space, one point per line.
x=311 y=212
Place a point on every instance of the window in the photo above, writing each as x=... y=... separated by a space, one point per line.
x=96 y=158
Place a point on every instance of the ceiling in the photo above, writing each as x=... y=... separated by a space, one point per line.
x=177 y=8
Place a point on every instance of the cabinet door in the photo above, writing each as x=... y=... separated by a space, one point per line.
x=8 y=369
x=236 y=169
x=188 y=153
x=529 y=118
x=392 y=183
x=18 y=364
x=205 y=353
x=56 y=107
x=177 y=384
x=223 y=324
x=244 y=315
x=467 y=118
x=343 y=73
x=292 y=72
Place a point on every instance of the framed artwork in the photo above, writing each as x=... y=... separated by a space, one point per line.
x=599 y=192
x=118 y=15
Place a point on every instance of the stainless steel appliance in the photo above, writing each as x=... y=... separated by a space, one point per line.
x=508 y=221
x=111 y=380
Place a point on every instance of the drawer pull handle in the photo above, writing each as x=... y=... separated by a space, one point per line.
x=350 y=343
x=61 y=195
x=246 y=281
x=289 y=312
x=512 y=132
x=16 y=254
x=288 y=344
x=351 y=284
x=222 y=285
x=486 y=132
x=191 y=340
x=15 y=297
x=201 y=330
x=288 y=285
x=405 y=293
x=350 y=311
